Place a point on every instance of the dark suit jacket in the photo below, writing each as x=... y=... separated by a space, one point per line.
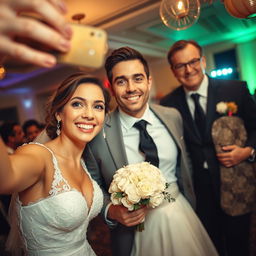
x=218 y=90
x=106 y=153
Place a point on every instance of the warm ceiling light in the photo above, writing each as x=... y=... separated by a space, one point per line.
x=78 y=17
x=2 y=72
x=179 y=14
x=241 y=9
x=180 y=9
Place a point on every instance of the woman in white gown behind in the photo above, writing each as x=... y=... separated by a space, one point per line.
x=56 y=197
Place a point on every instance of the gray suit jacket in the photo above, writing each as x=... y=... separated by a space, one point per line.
x=106 y=153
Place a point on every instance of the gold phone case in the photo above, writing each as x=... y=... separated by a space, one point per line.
x=88 y=47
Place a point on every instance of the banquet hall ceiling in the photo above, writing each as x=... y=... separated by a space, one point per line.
x=136 y=23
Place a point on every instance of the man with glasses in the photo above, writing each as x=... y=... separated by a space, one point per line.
x=196 y=100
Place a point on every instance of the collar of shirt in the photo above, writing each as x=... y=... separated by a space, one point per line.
x=128 y=121
x=167 y=149
x=202 y=90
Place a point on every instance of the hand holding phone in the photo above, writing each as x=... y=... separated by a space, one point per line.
x=88 y=47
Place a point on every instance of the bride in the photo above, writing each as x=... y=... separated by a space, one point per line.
x=56 y=196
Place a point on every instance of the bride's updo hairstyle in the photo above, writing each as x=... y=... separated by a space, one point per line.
x=64 y=93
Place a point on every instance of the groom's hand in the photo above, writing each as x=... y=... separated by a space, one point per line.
x=125 y=217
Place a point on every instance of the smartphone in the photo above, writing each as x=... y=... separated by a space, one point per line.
x=88 y=47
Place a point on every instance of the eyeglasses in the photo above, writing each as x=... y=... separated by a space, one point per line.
x=193 y=63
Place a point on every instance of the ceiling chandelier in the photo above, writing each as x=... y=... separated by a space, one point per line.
x=182 y=14
x=179 y=14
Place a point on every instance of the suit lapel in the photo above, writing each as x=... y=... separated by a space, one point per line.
x=168 y=122
x=113 y=136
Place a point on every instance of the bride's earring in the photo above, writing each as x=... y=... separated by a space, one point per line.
x=58 y=128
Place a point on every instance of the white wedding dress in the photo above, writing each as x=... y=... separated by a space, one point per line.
x=173 y=229
x=57 y=225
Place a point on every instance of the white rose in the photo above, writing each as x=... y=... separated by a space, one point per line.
x=221 y=107
x=132 y=194
x=145 y=189
x=113 y=187
x=141 y=176
x=156 y=200
x=133 y=178
x=160 y=185
x=126 y=203
x=122 y=183
x=134 y=167
x=114 y=200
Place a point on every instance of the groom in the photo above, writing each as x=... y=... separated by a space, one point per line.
x=118 y=144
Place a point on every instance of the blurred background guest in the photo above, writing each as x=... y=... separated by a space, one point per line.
x=13 y=135
x=31 y=129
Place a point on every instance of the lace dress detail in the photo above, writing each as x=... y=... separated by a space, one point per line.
x=59 y=184
x=57 y=225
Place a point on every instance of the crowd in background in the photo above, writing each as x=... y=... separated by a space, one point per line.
x=14 y=135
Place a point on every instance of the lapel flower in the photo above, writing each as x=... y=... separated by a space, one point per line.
x=226 y=108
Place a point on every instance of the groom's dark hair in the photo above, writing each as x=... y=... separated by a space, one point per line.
x=123 y=54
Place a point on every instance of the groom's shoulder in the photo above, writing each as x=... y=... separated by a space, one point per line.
x=165 y=111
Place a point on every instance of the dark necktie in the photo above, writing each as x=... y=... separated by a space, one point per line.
x=200 y=119
x=147 y=145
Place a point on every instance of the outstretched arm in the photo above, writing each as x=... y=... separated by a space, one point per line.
x=5 y=165
x=54 y=32
x=19 y=171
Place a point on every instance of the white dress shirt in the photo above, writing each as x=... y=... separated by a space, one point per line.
x=166 y=147
x=203 y=92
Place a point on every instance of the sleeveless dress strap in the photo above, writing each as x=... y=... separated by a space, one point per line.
x=59 y=183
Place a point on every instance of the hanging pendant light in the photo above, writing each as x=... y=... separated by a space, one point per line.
x=243 y=9
x=2 y=72
x=179 y=14
x=78 y=17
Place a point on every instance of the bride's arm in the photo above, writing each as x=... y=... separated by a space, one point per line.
x=21 y=170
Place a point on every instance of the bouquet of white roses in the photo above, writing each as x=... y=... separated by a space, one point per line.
x=139 y=184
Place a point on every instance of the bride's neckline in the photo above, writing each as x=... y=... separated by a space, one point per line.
x=57 y=179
